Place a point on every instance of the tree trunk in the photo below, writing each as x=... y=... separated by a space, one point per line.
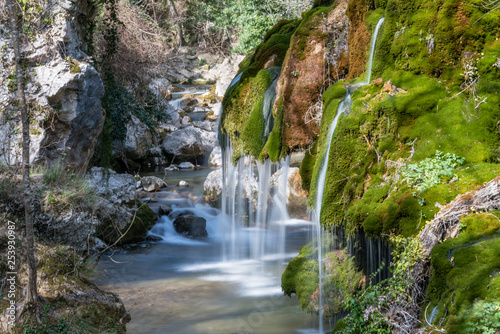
x=177 y=20
x=30 y=243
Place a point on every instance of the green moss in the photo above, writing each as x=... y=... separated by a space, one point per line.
x=135 y=231
x=339 y=326
x=464 y=271
x=307 y=166
x=301 y=277
x=273 y=148
x=242 y=104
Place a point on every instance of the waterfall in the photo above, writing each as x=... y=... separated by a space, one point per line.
x=254 y=207
x=372 y=52
x=254 y=196
x=320 y=185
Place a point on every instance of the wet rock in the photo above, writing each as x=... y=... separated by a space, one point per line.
x=213 y=188
x=153 y=238
x=182 y=183
x=215 y=159
x=185 y=120
x=171 y=168
x=186 y=165
x=191 y=226
x=164 y=210
x=152 y=183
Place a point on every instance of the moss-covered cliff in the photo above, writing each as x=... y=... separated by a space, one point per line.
x=425 y=131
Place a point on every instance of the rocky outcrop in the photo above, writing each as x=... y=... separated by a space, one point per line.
x=63 y=89
x=301 y=81
x=138 y=140
x=191 y=226
x=225 y=72
x=117 y=188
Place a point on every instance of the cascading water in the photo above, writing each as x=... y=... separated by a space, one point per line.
x=320 y=188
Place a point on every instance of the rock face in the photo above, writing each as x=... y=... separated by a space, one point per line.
x=189 y=143
x=64 y=89
x=299 y=86
x=191 y=226
x=117 y=188
x=225 y=73
x=138 y=140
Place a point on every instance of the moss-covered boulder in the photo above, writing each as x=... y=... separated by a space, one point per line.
x=123 y=225
x=465 y=276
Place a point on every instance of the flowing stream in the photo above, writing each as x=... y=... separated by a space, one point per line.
x=227 y=283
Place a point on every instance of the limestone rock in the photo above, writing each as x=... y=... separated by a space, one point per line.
x=152 y=183
x=225 y=72
x=189 y=142
x=137 y=142
x=161 y=88
x=182 y=183
x=191 y=226
x=66 y=90
x=117 y=188
x=186 y=165
x=213 y=187
x=296 y=197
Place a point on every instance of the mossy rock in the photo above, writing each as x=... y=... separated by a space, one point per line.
x=301 y=277
x=135 y=231
x=465 y=271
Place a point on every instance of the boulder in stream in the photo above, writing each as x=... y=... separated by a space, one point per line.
x=189 y=142
x=191 y=226
x=152 y=183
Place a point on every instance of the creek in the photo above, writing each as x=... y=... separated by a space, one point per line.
x=181 y=285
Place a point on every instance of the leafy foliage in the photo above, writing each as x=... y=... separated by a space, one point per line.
x=431 y=171
x=216 y=23
x=486 y=318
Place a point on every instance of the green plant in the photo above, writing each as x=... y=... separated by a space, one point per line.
x=431 y=171
x=383 y=306
x=486 y=318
